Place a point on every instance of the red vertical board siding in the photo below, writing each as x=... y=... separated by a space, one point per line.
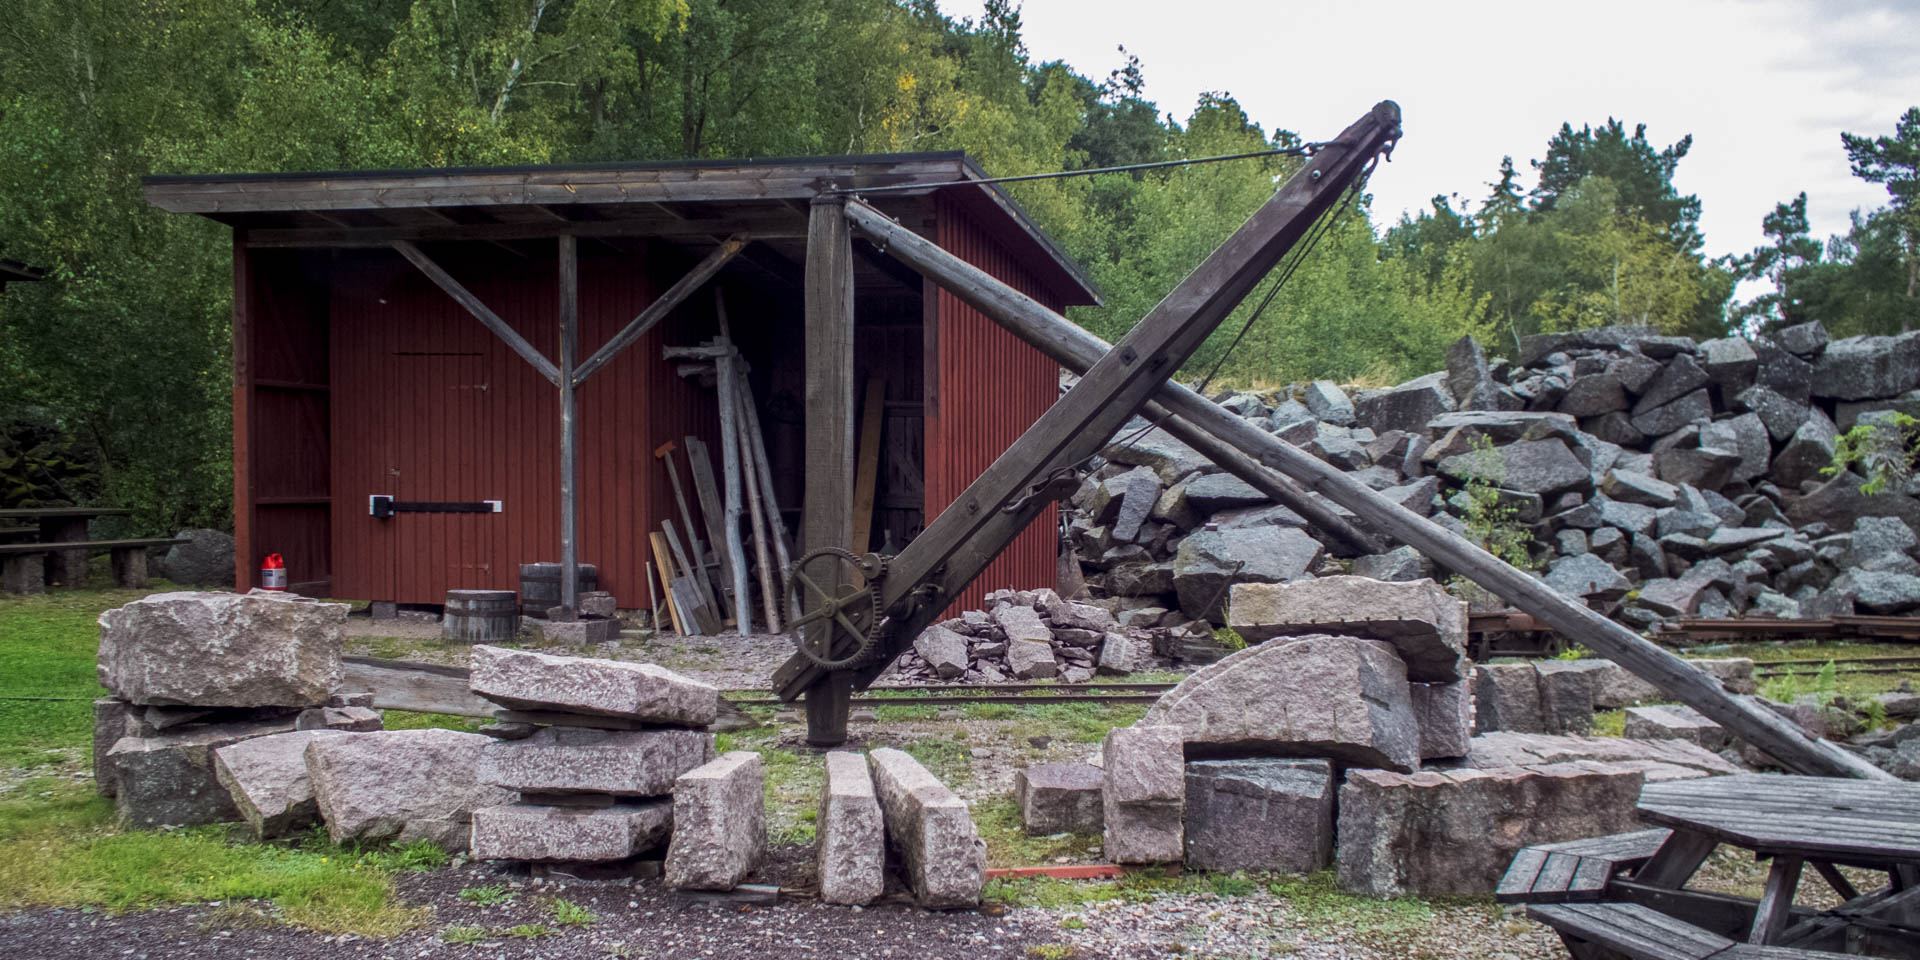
x=429 y=405
x=281 y=431
x=985 y=389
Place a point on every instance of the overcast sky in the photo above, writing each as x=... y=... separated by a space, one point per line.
x=1764 y=86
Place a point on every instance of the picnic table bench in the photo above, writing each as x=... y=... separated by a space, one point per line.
x=59 y=552
x=1626 y=896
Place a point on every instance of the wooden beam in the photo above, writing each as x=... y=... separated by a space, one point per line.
x=700 y=464
x=1076 y=349
x=826 y=519
x=245 y=554
x=660 y=307
x=1199 y=423
x=867 y=464
x=465 y=298
x=569 y=424
x=781 y=227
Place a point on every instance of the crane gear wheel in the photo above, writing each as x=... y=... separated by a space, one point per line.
x=821 y=581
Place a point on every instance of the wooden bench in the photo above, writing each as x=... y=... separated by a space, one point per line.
x=22 y=570
x=1604 y=931
x=1575 y=870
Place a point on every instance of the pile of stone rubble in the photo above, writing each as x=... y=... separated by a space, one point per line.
x=1346 y=737
x=1032 y=635
x=1658 y=478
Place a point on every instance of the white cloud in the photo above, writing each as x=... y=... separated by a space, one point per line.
x=1764 y=86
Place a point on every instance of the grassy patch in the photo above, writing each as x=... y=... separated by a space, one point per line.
x=490 y=895
x=1008 y=845
x=47 y=647
x=1137 y=887
x=462 y=936
x=64 y=852
x=408 y=720
x=944 y=757
x=1609 y=723
x=1078 y=722
x=1317 y=900
x=566 y=913
x=794 y=781
x=887 y=713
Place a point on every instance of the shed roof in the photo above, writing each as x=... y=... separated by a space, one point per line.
x=13 y=271
x=688 y=201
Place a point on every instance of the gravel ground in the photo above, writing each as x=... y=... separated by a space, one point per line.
x=643 y=919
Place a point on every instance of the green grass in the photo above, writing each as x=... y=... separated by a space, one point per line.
x=1609 y=723
x=1139 y=886
x=408 y=720
x=490 y=895
x=59 y=846
x=566 y=913
x=530 y=931
x=47 y=648
x=1318 y=900
x=1008 y=844
x=462 y=936
x=1077 y=722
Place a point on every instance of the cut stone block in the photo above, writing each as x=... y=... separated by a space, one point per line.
x=1144 y=764
x=1659 y=760
x=1260 y=814
x=1566 y=696
x=853 y=841
x=719 y=823
x=1444 y=712
x=267 y=778
x=1616 y=687
x=928 y=825
x=524 y=831
x=1675 y=722
x=1339 y=697
x=401 y=785
x=260 y=649
x=634 y=763
x=1453 y=832
x=525 y=680
x=1507 y=697
x=1425 y=626
x=167 y=778
x=1060 y=798
x=576 y=633
x=1022 y=623
x=1117 y=654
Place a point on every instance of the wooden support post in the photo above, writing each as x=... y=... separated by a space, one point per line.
x=826 y=517
x=726 y=368
x=763 y=560
x=569 y=424
x=1077 y=349
x=867 y=464
x=1776 y=901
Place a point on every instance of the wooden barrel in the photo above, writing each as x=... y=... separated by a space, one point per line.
x=480 y=616
x=540 y=586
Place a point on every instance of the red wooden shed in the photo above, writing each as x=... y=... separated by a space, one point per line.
x=358 y=373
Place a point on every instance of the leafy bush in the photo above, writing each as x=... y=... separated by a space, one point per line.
x=1886 y=449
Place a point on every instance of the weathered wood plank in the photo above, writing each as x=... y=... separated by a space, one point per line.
x=730 y=483
x=569 y=271
x=421 y=688
x=867 y=464
x=1776 y=901
x=660 y=307
x=700 y=464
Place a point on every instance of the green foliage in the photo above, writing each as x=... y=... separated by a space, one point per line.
x=488 y=895
x=462 y=936
x=1317 y=899
x=1823 y=684
x=530 y=931
x=1490 y=520
x=1008 y=845
x=1886 y=448
x=566 y=913
x=1229 y=640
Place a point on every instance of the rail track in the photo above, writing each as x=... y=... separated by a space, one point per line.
x=949 y=695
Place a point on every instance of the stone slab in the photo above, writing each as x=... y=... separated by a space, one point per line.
x=524 y=831
x=1444 y=712
x=1453 y=832
x=1259 y=814
x=1660 y=759
x=267 y=778
x=719 y=823
x=525 y=680
x=633 y=763
x=167 y=778
x=259 y=649
x=852 y=850
x=1340 y=697
x=1675 y=722
x=401 y=785
x=931 y=830
x=1425 y=625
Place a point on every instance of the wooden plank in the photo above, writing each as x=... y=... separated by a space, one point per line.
x=1776 y=901
x=1632 y=929
x=37 y=547
x=985 y=517
x=826 y=503
x=1743 y=716
x=768 y=226
x=1835 y=879
x=660 y=307
x=867 y=464
x=680 y=557
x=1556 y=873
x=687 y=596
x=757 y=519
x=480 y=311
x=399 y=685
x=663 y=558
x=700 y=464
x=664 y=453
x=1590 y=879
x=757 y=449
x=1517 y=883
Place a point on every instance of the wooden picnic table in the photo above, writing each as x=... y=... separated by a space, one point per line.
x=63 y=525
x=1628 y=896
